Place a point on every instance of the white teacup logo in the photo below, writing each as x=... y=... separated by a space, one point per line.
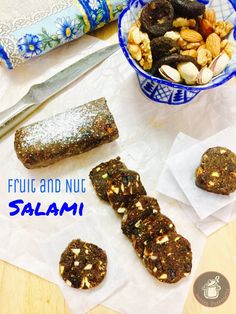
x=212 y=288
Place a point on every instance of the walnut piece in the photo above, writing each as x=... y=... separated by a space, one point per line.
x=139 y=47
x=189 y=52
x=222 y=28
x=183 y=22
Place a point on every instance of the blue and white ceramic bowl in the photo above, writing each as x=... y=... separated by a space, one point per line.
x=161 y=90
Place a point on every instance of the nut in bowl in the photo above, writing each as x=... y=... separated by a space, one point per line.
x=179 y=48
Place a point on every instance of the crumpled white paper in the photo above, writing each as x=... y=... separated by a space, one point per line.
x=184 y=164
x=147 y=131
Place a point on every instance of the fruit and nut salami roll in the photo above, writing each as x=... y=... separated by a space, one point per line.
x=70 y=133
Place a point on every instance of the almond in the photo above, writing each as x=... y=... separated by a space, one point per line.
x=190 y=35
x=206 y=27
x=213 y=44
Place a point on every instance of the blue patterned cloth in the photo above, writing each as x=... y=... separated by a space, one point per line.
x=26 y=37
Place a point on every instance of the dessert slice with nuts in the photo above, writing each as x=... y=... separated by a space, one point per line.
x=168 y=258
x=83 y=265
x=140 y=208
x=100 y=175
x=217 y=171
x=149 y=229
x=123 y=187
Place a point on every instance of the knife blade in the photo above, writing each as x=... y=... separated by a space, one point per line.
x=39 y=93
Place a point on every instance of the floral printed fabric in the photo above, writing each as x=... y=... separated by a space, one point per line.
x=70 y=20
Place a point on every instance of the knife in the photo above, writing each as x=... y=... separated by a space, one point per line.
x=39 y=93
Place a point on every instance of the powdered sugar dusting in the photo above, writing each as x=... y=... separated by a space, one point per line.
x=63 y=127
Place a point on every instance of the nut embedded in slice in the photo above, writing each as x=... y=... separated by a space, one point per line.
x=168 y=258
x=100 y=175
x=217 y=171
x=140 y=208
x=150 y=228
x=83 y=265
x=123 y=187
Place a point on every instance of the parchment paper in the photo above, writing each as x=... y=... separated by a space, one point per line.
x=147 y=131
x=168 y=185
x=184 y=164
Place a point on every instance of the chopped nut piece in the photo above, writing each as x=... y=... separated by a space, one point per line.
x=163 y=276
x=155 y=269
x=98 y=169
x=115 y=189
x=88 y=267
x=161 y=240
x=199 y=171
x=215 y=174
x=186 y=274
x=211 y=183
x=105 y=176
x=85 y=282
x=61 y=269
x=121 y=210
x=139 y=205
x=76 y=251
x=153 y=257
x=68 y=283
x=76 y=263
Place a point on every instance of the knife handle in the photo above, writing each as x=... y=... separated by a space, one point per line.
x=11 y=117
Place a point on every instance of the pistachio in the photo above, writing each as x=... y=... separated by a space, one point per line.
x=219 y=64
x=188 y=71
x=105 y=176
x=169 y=73
x=215 y=174
x=204 y=76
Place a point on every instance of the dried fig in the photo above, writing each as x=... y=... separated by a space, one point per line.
x=157 y=17
x=188 y=8
x=162 y=47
